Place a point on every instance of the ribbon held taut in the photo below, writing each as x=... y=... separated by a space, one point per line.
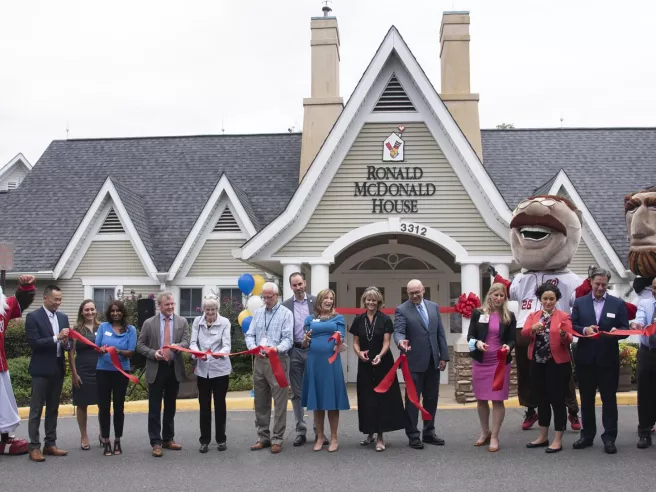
x=500 y=371
x=337 y=336
x=272 y=354
x=113 y=354
x=648 y=331
x=410 y=389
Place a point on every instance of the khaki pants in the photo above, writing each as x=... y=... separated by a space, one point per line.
x=265 y=387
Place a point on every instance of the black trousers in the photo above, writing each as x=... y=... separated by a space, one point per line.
x=428 y=386
x=45 y=391
x=111 y=383
x=550 y=382
x=164 y=387
x=208 y=387
x=592 y=377
x=646 y=375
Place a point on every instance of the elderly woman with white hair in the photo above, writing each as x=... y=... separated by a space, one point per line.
x=211 y=331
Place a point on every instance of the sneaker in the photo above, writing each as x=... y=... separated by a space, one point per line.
x=574 y=422
x=529 y=420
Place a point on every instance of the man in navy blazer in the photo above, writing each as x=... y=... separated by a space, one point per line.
x=418 y=332
x=47 y=333
x=597 y=359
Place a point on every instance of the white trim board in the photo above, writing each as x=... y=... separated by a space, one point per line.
x=348 y=125
x=12 y=163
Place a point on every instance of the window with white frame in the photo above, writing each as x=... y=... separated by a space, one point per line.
x=234 y=295
x=191 y=300
x=102 y=296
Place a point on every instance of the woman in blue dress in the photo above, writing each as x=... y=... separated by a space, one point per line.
x=324 y=388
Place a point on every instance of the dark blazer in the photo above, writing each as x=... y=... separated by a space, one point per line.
x=478 y=331
x=44 y=362
x=602 y=351
x=424 y=340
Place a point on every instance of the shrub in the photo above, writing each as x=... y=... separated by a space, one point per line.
x=240 y=382
x=16 y=344
x=629 y=357
x=21 y=381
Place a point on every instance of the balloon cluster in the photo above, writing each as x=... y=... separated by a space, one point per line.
x=251 y=286
x=467 y=303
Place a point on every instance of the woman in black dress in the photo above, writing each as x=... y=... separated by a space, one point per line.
x=377 y=412
x=83 y=360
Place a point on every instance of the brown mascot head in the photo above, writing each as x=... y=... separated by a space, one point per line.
x=640 y=213
x=545 y=232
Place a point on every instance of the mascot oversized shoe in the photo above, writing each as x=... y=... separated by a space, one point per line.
x=13 y=446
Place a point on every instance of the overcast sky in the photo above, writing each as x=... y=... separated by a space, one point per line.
x=159 y=67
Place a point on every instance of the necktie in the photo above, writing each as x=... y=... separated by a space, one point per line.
x=423 y=314
x=167 y=338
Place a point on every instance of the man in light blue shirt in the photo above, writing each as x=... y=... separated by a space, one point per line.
x=646 y=370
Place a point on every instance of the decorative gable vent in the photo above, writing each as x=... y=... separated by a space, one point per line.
x=226 y=223
x=112 y=224
x=394 y=98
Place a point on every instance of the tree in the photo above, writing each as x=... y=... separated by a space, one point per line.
x=506 y=126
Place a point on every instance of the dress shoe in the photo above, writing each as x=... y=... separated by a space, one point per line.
x=544 y=444
x=36 y=455
x=222 y=446
x=204 y=448
x=437 y=441
x=260 y=445
x=644 y=442
x=172 y=445
x=416 y=444
x=574 y=422
x=54 y=451
x=553 y=450
x=610 y=448
x=582 y=443
x=276 y=448
x=157 y=451
x=300 y=440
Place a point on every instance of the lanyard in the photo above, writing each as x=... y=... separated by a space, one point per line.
x=266 y=325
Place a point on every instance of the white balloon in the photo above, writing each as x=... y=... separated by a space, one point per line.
x=254 y=303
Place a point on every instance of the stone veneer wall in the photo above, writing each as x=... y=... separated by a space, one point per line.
x=463 y=373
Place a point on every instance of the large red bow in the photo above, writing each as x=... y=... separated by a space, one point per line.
x=467 y=303
x=113 y=354
x=410 y=389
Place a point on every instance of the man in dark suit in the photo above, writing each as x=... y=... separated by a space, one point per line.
x=165 y=370
x=418 y=332
x=47 y=334
x=597 y=360
x=301 y=305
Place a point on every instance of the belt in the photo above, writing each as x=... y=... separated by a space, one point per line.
x=648 y=349
x=298 y=345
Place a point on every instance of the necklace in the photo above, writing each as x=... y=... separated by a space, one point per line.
x=369 y=327
x=327 y=316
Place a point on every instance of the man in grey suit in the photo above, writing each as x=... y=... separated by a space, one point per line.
x=418 y=332
x=301 y=305
x=164 y=370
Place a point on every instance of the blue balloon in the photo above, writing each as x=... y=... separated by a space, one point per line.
x=245 y=323
x=246 y=283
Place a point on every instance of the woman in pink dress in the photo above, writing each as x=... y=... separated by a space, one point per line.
x=491 y=329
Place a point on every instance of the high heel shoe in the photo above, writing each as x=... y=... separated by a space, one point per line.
x=108 y=448
x=484 y=441
x=368 y=440
x=117 y=447
x=332 y=449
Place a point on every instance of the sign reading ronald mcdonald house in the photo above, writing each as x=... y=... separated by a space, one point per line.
x=402 y=182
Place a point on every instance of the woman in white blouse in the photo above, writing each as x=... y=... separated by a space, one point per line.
x=212 y=332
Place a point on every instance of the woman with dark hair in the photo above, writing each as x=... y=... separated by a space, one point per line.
x=118 y=334
x=550 y=331
x=83 y=360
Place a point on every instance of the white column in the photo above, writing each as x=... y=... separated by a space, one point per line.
x=470 y=281
x=320 y=277
x=287 y=270
x=502 y=269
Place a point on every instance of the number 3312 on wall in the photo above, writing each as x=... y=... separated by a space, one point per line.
x=413 y=228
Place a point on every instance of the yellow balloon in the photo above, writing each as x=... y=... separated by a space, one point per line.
x=259 y=282
x=244 y=314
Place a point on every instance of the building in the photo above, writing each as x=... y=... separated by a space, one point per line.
x=13 y=173
x=399 y=183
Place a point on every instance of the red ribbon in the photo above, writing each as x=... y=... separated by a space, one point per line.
x=410 y=389
x=337 y=336
x=276 y=365
x=500 y=372
x=467 y=303
x=113 y=354
x=344 y=311
x=648 y=331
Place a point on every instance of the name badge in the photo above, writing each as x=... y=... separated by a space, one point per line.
x=485 y=318
x=108 y=334
x=610 y=315
x=316 y=320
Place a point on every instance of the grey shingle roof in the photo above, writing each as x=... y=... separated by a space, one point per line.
x=603 y=164
x=164 y=182
x=544 y=188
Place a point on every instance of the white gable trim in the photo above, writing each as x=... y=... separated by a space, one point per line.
x=345 y=131
x=562 y=180
x=20 y=158
x=200 y=232
x=106 y=199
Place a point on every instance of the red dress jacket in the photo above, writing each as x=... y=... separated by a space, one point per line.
x=559 y=345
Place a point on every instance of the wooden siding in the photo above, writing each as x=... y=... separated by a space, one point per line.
x=111 y=258
x=72 y=295
x=582 y=260
x=215 y=259
x=450 y=210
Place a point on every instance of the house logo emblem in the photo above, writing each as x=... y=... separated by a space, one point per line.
x=393 y=146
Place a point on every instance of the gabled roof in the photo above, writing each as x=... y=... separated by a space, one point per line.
x=18 y=159
x=172 y=178
x=545 y=188
x=603 y=164
x=134 y=205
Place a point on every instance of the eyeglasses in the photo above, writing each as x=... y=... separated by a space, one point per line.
x=414 y=294
x=268 y=298
x=547 y=202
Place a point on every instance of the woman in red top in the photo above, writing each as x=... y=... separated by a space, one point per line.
x=551 y=369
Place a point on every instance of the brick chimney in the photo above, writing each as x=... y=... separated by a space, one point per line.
x=324 y=105
x=456 y=90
